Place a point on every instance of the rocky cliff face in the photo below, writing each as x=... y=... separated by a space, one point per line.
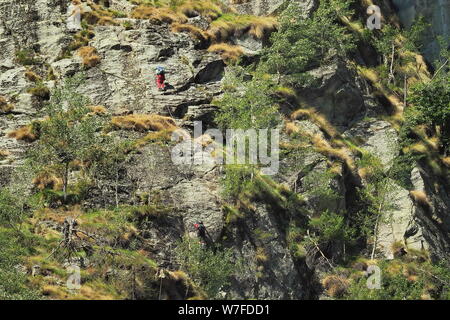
x=123 y=83
x=257 y=7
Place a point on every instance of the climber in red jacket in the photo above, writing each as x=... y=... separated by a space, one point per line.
x=203 y=234
x=160 y=78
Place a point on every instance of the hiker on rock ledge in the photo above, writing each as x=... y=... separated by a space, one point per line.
x=160 y=78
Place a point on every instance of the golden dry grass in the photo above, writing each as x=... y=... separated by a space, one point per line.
x=160 y=137
x=178 y=275
x=157 y=15
x=144 y=122
x=89 y=56
x=99 y=16
x=372 y=76
x=317 y=119
x=32 y=76
x=291 y=128
x=420 y=197
x=286 y=93
x=196 y=32
x=261 y=255
x=230 y=25
x=206 y=8
x=416 y=148
x=227 y=51
x=4 y=153
x=446 y=161
x=25 y=133
x=322 y=146
x=95 y=110
x=5 y=107
x=54 y=291
x=335 y=286
x=48 y=180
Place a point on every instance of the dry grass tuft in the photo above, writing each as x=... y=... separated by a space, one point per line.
x=25 y=133
x=317 y=119
x=97 y=110
x=48 y=180
x=89 y=56
x=261 y=255
x=227 y=51
x=206 y=8
x=196 y=32
x=178 y=275
x=322 y=146
x=99 y=16
x=159 y=137
x=40 y=91
x=420 y=197
x=262 y=27
x=32 y=76
x=446 y=161
x=229 y=25
x=291 y=128
x=335 y=286
x=4 y=153
x=5 y=107
x=144 y=122
x=157 y=15
x=286 y=93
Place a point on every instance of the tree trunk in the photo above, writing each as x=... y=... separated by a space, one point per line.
x=117 y=188
x=391 y=67
x=376 y=232
x=405 y=91
x=65 y=181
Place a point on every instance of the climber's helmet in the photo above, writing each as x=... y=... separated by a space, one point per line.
x=159 y=70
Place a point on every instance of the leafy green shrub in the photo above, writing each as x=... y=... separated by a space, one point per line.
x=331 y=227
x=404 y=281
x=303 y=43
x=237 y=179
x=432 y=101
x=68 y=134
x=211 y=270
x=13 y=284
x=247 y=104
x=26 y=57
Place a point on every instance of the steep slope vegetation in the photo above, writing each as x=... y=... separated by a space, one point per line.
x=88 y=182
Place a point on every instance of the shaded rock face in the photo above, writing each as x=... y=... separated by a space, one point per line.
x=436 y=12
x=275 y=275
x=336 y=93
x=433 y=214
